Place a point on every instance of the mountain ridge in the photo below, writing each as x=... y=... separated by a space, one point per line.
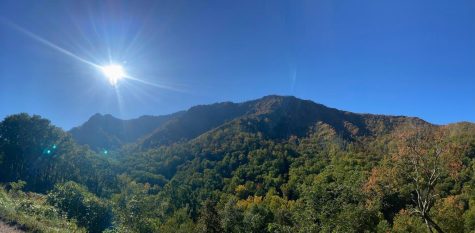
x=275 y=116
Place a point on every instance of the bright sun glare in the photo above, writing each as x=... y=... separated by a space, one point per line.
x=114 y=73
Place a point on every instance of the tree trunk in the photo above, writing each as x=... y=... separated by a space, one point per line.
x=428 y=226
x=434 y=225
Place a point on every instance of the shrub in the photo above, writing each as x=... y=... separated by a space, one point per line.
x=89 y=211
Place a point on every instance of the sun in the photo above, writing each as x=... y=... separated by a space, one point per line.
x=114 y=73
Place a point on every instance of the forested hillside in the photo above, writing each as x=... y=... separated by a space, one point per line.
x=276 y=164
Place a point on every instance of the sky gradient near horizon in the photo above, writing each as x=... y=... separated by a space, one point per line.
x=414 y=58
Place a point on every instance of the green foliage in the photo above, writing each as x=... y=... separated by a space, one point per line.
x=448 y=212
x=311 y=184
x=42 y=155
x=32 y=213
x=179 y=222
x=407 y=222
x=26 y=141
x=469 y=217
x=232 y=217
x=16 y=187
x=89 y=211
x=256 y=218
x=209 y=220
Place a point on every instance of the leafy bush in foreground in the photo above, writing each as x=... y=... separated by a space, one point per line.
x=89 y=211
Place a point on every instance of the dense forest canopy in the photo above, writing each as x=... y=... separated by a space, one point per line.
x=276 y=164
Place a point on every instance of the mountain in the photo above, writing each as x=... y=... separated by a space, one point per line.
x=107 y=132
x=275 y=164
x=276 y=117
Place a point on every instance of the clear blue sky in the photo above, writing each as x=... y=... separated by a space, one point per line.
x=413 y=58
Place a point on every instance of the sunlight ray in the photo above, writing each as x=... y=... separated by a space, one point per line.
x=154 y=84
x=50 y=44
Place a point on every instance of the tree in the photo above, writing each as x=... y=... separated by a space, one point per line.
x=426 y=157
x=134 y=209
x=209 y=221
x=257 y=217
x=422 y=158
x=28 y=144
x=232 y=217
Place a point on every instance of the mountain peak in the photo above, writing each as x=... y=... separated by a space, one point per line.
x=98 y=117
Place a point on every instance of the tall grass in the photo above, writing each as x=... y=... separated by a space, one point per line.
x=31 y=213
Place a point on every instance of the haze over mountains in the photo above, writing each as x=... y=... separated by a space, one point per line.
x=276 y=117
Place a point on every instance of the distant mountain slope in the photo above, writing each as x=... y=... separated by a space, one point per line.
x=276 y=117
x=194 y=122
x=107 y=132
